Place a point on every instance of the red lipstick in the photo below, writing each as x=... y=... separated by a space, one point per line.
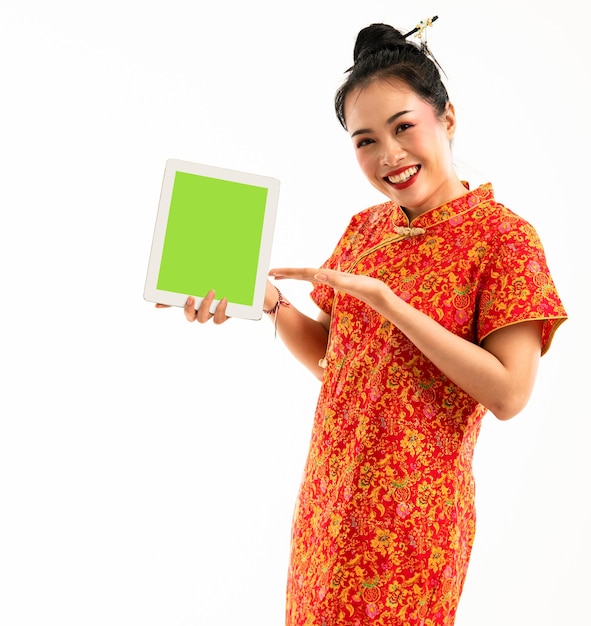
x=406 y=183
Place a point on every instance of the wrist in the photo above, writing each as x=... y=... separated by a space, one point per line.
x=273 y=311
x=271 y=297
x=277 y=301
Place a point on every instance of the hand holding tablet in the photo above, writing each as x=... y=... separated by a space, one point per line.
x=214 y=231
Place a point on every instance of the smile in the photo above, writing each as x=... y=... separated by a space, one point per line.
x=404 y=176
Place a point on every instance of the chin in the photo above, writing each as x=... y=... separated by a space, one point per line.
x=387 y=191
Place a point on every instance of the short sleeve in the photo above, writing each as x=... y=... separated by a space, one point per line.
x=323 y=295
x=516 y=285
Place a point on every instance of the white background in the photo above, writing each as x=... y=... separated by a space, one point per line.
x=148 y=467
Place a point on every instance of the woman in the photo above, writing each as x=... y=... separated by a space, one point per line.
x=435 y=307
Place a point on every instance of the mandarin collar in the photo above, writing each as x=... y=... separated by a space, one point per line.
x=448 y=210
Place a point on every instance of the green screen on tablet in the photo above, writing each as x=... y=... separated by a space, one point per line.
x=213 y=237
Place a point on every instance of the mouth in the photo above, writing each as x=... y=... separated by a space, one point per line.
x=403 y=178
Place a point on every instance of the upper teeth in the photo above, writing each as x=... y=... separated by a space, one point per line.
x=404 y=176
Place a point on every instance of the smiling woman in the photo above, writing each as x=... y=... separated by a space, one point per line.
x=435 y=307
x=438 y=305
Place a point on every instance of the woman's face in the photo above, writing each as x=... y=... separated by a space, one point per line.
x=402 y=147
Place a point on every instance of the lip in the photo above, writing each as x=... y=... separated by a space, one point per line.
x=406 y=183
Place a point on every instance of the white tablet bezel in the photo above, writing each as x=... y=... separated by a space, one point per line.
x=234 y=309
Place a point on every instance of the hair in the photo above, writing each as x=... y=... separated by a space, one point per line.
x=382 y=53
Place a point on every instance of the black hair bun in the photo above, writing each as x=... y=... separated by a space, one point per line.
x=375 y=37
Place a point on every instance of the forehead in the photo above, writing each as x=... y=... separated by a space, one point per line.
x=382 y=98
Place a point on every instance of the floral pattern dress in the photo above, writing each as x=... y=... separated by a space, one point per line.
x=384 y=521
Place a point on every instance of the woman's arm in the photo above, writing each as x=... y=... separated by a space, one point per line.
x=303 y=336
x=500 y=374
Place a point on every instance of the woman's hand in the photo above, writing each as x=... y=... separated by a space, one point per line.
x=202 y=314
x=372 y=291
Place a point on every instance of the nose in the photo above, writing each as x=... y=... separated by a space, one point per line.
x=392 y=152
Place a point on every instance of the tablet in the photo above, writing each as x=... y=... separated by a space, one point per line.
x=214 y=230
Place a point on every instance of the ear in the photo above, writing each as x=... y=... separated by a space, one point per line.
x=449 y=120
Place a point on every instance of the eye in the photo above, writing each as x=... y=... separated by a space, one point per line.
x=364 y=142
x=402 y=127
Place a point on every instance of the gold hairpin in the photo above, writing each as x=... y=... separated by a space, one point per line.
x=418 y=31
x=420 y=28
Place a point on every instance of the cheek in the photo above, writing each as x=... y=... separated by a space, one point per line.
x=365 y=162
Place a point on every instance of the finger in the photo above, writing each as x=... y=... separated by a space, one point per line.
x=295 y=273
x=219 y=317
x=365 y=288
x=203 y=314
x=162 y=306
x=336 y=279
x=189 y=309
x=322 y=277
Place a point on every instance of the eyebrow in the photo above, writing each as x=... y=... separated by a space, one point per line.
x=389 y=121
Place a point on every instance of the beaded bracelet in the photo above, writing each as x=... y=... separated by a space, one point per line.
x=275 y=310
